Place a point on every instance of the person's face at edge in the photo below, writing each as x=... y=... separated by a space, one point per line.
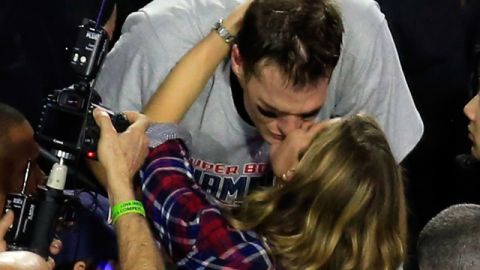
x=275 y=106
x=472 y=111
x=24 y=147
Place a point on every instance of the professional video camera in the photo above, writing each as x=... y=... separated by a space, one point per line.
x=66 y=125
x=67 y=129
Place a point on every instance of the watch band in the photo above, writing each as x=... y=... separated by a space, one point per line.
x=223 y=32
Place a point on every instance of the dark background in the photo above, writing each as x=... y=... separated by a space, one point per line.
x=435 y=42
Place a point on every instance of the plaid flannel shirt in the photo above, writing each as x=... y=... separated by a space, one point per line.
x=190 y=228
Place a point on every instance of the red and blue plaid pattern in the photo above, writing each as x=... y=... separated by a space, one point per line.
x=186 y=224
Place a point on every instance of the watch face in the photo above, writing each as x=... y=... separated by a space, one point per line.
x=223 y=32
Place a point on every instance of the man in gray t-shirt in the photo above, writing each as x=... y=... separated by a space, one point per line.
x=265 y=90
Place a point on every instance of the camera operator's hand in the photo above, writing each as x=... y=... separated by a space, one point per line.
x=22 y=260
x=5 y=222
x=121 y=155
x=134 y=141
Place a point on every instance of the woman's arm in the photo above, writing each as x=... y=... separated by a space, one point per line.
x=186 y=80
x=193 y=231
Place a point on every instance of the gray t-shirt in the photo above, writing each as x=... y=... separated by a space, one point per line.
x=229 y=155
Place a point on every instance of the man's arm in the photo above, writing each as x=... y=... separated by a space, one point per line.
x=190 y=228
x=137 y=249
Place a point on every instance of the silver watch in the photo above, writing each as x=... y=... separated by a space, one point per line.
x=223 y=32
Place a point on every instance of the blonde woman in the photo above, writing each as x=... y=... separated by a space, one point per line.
x=342 y=207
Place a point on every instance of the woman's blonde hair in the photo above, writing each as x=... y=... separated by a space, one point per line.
x=343 y=209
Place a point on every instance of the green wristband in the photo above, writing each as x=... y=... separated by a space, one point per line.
x=127 y=207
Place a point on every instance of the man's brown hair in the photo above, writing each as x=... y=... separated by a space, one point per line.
x=303 y=37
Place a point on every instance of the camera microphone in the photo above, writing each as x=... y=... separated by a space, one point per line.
x=50 y=200
x=466 y=161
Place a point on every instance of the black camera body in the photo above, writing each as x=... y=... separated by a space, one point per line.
x=67 y=129
x=66 y=123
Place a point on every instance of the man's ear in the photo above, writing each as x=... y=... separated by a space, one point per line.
x=237 y=61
